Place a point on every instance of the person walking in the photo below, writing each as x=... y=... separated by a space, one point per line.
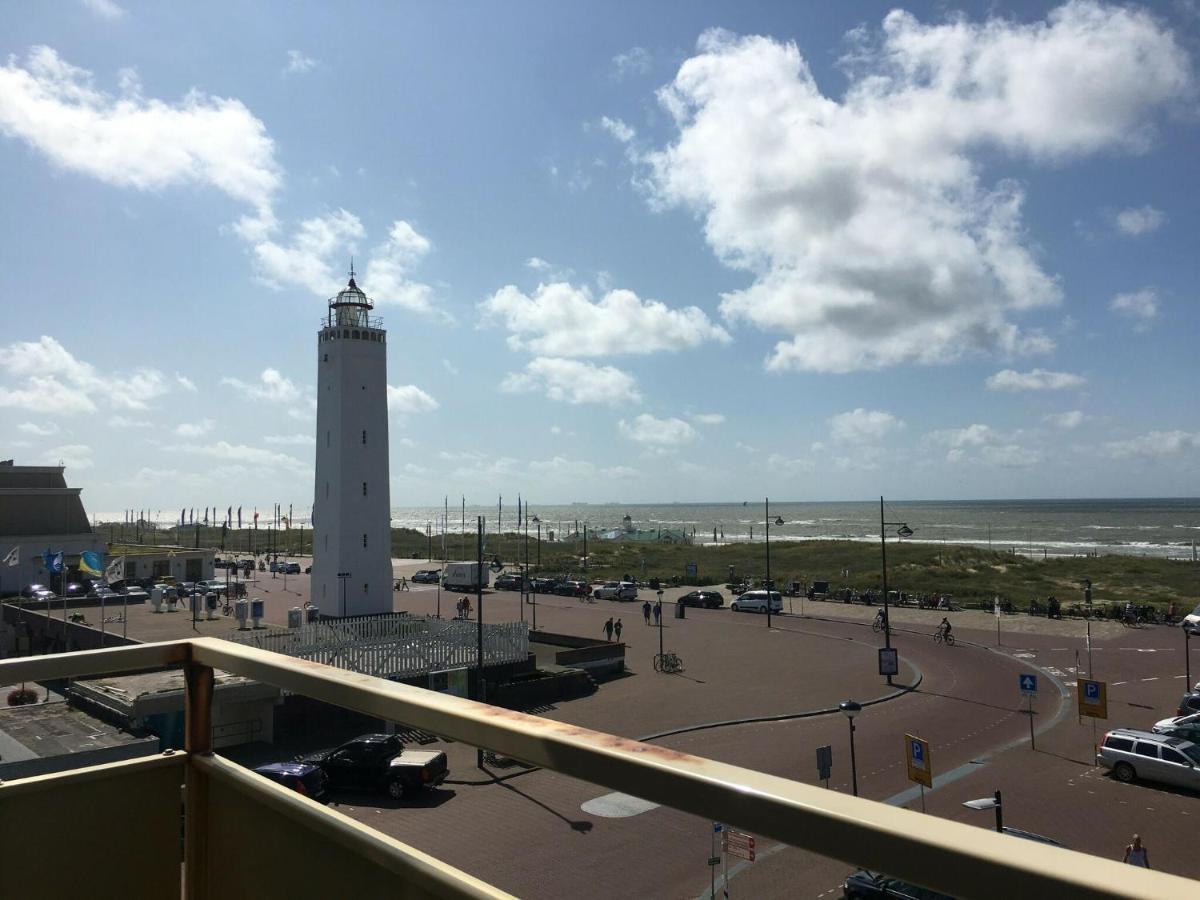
x=608 y=629
x=1136 y=854
x=646 y=611
x=657 y=612
x=617 y=629
x=404 y=583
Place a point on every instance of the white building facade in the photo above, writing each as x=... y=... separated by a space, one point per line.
x=352 y=561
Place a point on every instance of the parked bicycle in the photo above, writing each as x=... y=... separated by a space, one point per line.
x=668 y=663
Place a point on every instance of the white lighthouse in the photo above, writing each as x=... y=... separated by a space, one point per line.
x=352 y=558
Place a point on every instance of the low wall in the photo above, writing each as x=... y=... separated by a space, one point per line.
x=560 y=640
x=38 y=635
x=64 y=762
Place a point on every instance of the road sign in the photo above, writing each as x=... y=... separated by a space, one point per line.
x=739 y=839
x=824 y=761
x=1029 y=685
x=889 y=661
x=1093 y=698
x=691 y=570
x=920 y=768
x=717 y=827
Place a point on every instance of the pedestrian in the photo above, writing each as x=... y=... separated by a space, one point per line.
x=608 y=629
x=617 y=629
x=1136 y=854
x=646 y=611
x=657 y=612
x=404 y=583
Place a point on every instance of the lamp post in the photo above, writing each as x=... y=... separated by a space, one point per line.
x=769 y=585
x=538 y=523
x=852 y=709
x=992 y=802
x=903 y=531
x=658 y=609
x=1187 y=657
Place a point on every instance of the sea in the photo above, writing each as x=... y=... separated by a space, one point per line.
x=1165 y=528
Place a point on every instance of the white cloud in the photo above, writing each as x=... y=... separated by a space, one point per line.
x=272 y=386
x=240 y=453
x=73 y=456
x=386 y=277
x=864 y=221
x=449 y=366
x=572 y=381
x=409 y=398
x=306 y=261
x=1065 y=420
x=51 y=378
x=194 y=429
x=789 y=466
x=1140 y=306
x=863 y=426
x=105 y=9
x=126 y=422
x=298 y=63
x=1154 y=443
x=709 y=418
x=186 y=383
x=1034 y=380
x=560 y=319
x=618 y=129
x=131 y=141
x=983 y=444
x=1137 y=221
x=38 y=430
x=1010 y=456
x=634 y=61
x=652 y=432
x=537 y=264
x=299 y=440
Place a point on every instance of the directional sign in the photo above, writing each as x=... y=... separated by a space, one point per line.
x=1093 y=698
x=889 y=661
x=920 y=768
x=739 y=844
x=1028 y=684
x=824 y=761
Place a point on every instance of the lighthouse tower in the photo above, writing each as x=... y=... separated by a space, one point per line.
x=352 y=558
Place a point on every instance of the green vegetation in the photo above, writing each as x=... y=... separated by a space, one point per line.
x=973 y=575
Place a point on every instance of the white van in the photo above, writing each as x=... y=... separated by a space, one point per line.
x=1191 y=621
x=756 y=601
x=464 y=576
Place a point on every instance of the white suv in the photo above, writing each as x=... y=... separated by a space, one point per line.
x=616 y=590
x=1153 y=757
x=756 y=601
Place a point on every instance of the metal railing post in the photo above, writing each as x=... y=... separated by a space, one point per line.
x=198 y=695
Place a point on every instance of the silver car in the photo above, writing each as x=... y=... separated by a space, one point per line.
x=1152 y=757
x=1186 y=727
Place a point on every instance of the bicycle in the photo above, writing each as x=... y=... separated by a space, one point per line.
x=877 y=625
x=940 y=637
x=668 y=663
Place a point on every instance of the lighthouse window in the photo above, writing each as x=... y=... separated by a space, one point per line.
x=326 y=437
x=364 y=541
x=345 y=332
x=326 y=359
x=364 y=489
x=364 y=436
x=355 y=335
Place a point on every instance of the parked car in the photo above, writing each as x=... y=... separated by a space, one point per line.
x=1135 y=754
x=1187 y=727
x=543 y=585
x=74 y=589
x=509 y=581
x=309 y=780
x=1191 y=621
x=756 y=601
x=31 y=590
x=380 y=762
x=217 y=587
x=573 y=588
x=41 y=593
x=1189 y=704
x=616 y=590
x=866 y=885
x=706 y=599
x=427 y=576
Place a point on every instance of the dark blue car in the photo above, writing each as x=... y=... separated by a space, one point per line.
x=309 y=780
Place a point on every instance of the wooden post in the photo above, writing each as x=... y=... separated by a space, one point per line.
x=197 y=739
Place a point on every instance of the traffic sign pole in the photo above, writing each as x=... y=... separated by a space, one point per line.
x=1032 y=739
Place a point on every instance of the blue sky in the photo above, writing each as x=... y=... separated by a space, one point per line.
x=637 y=252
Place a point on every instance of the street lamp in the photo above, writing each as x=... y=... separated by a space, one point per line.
x=992 y=802
x=538 y=523
x=903 y=531
x=769 y=585
x=852 y=709
x=658 y=609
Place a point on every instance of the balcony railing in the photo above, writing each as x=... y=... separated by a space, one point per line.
x=246 y=836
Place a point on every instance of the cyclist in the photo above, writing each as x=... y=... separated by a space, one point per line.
x=944 y=628
x=879 y=621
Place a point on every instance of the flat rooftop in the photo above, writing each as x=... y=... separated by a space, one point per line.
x=52 y=729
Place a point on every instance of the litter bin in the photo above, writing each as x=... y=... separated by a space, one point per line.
x=680 y=611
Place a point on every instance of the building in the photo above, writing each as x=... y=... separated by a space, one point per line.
x=352 y=553
x=38 y=512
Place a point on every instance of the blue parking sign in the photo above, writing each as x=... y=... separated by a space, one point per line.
x=1092 y=691
x=918 y=753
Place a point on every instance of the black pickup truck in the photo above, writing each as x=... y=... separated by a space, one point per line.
x=380 y=762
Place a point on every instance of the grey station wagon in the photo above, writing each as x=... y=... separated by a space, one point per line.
x=1153 y=757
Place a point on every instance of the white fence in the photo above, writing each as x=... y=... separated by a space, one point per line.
x=395 y=645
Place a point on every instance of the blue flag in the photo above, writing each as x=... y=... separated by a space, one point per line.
x=54 y=561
